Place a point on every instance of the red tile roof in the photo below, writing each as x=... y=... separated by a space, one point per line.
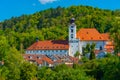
x=48 y=60
x=39 y=58
x=50 y=45
x=90 y=34
x=106 y=36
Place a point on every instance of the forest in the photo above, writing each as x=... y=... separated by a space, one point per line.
x=18 y=33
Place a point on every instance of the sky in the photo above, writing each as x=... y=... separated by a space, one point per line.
x=15 y=8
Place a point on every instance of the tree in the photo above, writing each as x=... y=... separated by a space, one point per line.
x=115 y=36
x=28 y=71
x=77 y=54
x=92 y=49
x=86 y=49
x=13 y=63
x=3 y=72
x=4 y=47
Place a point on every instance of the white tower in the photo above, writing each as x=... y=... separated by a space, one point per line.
x=73 y=42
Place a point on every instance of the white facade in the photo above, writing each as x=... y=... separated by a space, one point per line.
x=99 y=44
x=73 y=42
x=47 y=52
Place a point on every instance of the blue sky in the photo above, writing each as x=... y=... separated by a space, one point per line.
x=9 y=8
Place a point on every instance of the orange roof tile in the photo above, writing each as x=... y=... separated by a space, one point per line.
x=48 y=60
x=118 y=54
x=34 y=57
x=89 y=34
x=50 y=45
x=109 y=46
x=106 y=36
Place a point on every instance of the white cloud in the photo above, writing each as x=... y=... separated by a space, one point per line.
x=46 y=1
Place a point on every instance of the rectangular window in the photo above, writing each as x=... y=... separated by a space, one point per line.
x=71 y=26
x=71 y=30
x=71 y=35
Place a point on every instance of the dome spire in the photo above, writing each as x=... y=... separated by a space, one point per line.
x=72 y=20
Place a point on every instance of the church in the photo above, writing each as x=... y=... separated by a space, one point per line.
x=76 y=42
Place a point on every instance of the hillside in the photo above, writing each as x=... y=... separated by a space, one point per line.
x=52 y=24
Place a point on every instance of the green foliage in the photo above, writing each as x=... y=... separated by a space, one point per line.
x=60 y=67
x=28 y=71
x=77 y=54
x=92 y=49
x=46 y=74
x=12 y=62
x=3 y=72
x=86 y=49
x=3 y=47
x=53 y=24
x=62 y=72
x=115 y=35
x=103 y=69
x=84 y=59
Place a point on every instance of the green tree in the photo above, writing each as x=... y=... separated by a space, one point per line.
x=86 y=49
x=77 y=54
x=92 y=49
x=4 y=47
x=28 y=71
x=115 y=36
x=3 y=73
x=13 y=62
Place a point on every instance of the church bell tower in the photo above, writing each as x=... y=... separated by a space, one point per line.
x=72 y=30
x=73 y=42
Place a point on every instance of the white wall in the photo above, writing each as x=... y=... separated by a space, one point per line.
x=47 y=52
x=98 y=44
x=72 y=27
x=73 y=45
x=73 y=42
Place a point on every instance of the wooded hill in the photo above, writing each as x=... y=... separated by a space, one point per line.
x=52 y=24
